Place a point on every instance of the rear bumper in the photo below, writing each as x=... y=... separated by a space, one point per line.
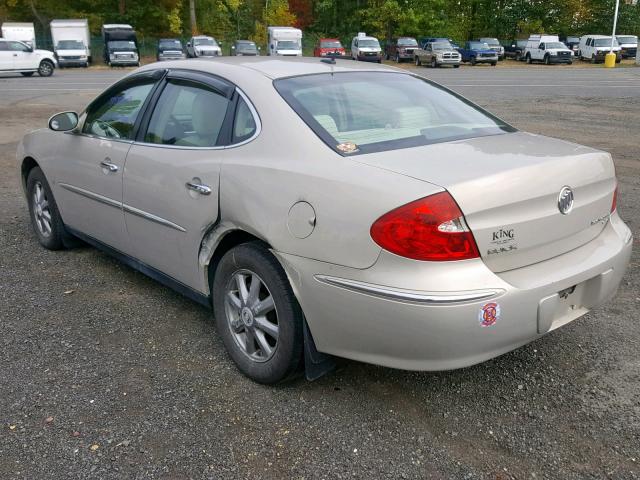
x=429 y=316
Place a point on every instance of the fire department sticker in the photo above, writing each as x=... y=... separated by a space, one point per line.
x=489 y=314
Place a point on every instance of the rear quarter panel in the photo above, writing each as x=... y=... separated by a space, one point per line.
x=288 y=163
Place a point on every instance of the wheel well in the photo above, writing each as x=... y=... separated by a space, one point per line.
x=229 y=241
x=28 y=164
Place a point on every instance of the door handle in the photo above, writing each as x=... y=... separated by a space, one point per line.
x=111 y=167
x=200 y=188
x=15 y=54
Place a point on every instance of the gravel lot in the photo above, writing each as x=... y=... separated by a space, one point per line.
x=106 y=374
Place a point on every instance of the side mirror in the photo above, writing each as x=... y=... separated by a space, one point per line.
x=29 y=49
x=63 y=122
x=188 y=44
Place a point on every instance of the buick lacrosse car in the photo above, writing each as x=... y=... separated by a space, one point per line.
x=332 y=209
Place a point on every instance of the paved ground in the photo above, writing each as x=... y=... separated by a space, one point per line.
x=122 y=378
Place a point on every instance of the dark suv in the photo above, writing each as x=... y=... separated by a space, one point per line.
x=401 y=48
x=169 y=49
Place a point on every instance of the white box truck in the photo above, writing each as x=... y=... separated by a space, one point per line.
x=71 y=42
x=284 y=41
x=20 y=31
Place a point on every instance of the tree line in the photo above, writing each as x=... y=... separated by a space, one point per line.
x=233 y=19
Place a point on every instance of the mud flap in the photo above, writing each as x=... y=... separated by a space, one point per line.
x=316 y=364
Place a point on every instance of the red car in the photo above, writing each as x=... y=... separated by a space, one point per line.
x=329 y=47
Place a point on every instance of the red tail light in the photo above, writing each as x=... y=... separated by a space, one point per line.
x=432 y=228
x=614 y=203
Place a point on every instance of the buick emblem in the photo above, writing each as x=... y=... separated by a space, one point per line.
x=565 y=200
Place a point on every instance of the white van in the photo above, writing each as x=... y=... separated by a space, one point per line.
x=595 y=47
x=628 y=45
x=366 y=48
x=284 y=41
x=548 y=49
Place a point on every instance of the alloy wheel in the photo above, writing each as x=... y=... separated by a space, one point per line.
x=41 y=210
x=251 y=315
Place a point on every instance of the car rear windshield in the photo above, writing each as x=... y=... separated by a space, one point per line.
x=366 y=112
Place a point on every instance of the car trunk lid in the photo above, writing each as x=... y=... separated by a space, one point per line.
x=508 y=188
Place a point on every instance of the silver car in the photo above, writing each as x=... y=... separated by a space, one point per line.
x=323 y=210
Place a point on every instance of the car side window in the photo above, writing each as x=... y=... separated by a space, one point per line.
x=115 y=115
x=4 y=46
x=18 y=47
x=187 y=114
x=244 y=125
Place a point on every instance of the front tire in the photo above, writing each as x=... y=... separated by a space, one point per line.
x=473 y=61
x=397 y=58
x=45 y=69
x=43 y=211
x=257 y=314
x=547 y=60
x=417 y=61
x=434 y=63
x=528 y=59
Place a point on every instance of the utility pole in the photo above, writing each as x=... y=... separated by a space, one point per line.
x=192 y=15
x=615 y=24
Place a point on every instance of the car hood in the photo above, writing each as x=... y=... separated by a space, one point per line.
x=508 y=188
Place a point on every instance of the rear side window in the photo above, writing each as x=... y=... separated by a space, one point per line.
x=187 y=114
x=365 y=112
x=244 y=124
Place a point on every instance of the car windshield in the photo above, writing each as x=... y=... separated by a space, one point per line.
x=330 y=44
x=70 y=45
x=490 y=41
x=209 y=42
x=605 y=42
x=478 y=46
x=441 y=46
x=377 y=111
x=170 y=44
x=288 y=45
x=368 y=43
x=122 y=45
x=555 y=45
x=246 y=46
x=407 y=42
x=627 y=39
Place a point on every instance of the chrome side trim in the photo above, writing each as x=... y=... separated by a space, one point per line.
x=91 y=195
x=411 y=296
x=154 y=218
x=121 y=206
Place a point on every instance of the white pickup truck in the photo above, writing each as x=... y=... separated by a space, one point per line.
x=21 y=58
x=548 y=49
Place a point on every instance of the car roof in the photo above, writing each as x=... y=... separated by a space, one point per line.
x=598 y=36
x=365 y=38
x=233 y=67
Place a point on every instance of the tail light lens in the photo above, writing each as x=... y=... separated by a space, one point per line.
x=432 y=228
x=614 y=203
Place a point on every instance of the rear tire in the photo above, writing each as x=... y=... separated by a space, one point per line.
x=593 y=58
x=547 y=60
x=43 y=211
x=493 y=64
x=528 y=59
x=473 y=61
x=45 y=69
x=518 y=57
x=27 y=74
x=261 y=327
x=417 y=61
